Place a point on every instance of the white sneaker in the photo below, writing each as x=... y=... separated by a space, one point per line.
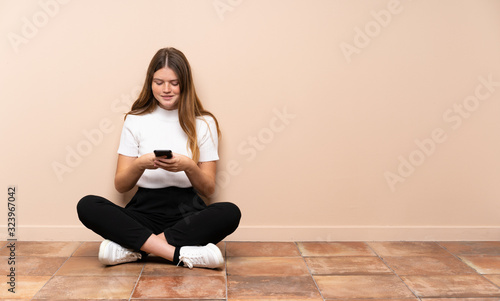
x=208 y=256
x=111 y=253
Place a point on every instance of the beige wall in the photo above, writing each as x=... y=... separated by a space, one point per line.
x=341 y=120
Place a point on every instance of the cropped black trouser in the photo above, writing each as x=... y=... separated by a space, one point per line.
x=179 y=213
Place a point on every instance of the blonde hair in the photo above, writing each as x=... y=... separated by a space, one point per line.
x=189 y=106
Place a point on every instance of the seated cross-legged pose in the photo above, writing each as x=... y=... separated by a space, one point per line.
x=167 y=216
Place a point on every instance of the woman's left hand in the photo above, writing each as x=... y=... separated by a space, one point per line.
x=177 y=163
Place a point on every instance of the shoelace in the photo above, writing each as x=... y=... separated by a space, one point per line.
x=191 y=260
x=125 y=254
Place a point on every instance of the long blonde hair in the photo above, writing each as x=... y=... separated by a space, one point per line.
x=189 y=106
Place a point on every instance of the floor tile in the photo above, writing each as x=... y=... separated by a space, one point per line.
x=266 y=266
x=90 y=266
x=181 y=287
x=346 y=265
x=156 y=299
x=451 y=286
x=90 y=248
x=495 y=279
x=458 y=299
x=483 y=264
x=444 y=271
x=399 y=248
x=266 y=249
x=473 y=247
x=334 y=249
x=287 y=299
x=266 y=287
x=42 y=249
x=155 y=266
x=362 y=286
x=32 y=266
x=87 y=287
x=424 y=265
x=25 y=287
x=391 y=299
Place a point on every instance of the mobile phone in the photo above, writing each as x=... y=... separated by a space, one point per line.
x=163 y=152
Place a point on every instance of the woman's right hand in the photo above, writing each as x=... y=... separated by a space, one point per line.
x=130 y=169
x=146 y=161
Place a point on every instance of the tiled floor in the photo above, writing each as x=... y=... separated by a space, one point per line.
x=429 y=271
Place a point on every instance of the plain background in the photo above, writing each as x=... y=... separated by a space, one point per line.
x=341 y=119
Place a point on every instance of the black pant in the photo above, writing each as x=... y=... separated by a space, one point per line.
x=177 y=212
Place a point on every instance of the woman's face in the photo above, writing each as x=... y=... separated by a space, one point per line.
x=166 y=89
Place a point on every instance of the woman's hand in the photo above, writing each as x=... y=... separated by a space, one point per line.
x=201 y=175
x=130 y=169
x=147 y=161
x=175 y=164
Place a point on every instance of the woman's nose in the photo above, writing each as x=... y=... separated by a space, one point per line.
x=166 y=87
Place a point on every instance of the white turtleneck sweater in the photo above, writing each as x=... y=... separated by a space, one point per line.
x=160 y=129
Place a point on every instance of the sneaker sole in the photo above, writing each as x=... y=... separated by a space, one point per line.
x=102 y=249
x=218 y=253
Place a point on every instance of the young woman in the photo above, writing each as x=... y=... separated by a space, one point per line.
x=166 y=217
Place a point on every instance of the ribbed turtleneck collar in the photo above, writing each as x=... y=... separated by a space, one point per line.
x=167 y=115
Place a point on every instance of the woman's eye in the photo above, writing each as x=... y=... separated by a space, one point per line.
x=159 y=83
x=175 y=84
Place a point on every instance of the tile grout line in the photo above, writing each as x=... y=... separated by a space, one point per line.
x=394 y=272
x=5 y=245
x=137 y=281
x=53 y=275
x=309 y=270
x=477 y=272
